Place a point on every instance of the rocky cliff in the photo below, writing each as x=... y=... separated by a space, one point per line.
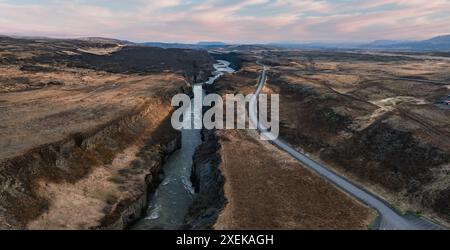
x=208 y=182
x=85 y=129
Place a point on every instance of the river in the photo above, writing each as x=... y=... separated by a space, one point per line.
x=171 y=200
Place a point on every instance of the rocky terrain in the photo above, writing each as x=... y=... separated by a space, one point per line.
x=267 y=189
x=376 y=118
x=245 y=183
x=85 y=128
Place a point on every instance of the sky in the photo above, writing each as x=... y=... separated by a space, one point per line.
x=236 y=21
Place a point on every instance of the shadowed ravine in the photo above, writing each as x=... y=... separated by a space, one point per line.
x=171 y=200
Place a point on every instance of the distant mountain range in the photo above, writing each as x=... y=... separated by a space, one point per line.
x=435 y=44
x=209 y=45
x=199 y=45
x=439 y=43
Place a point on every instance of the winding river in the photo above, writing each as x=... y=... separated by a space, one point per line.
x=171 y=201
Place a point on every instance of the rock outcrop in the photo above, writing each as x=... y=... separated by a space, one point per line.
x=208 y=183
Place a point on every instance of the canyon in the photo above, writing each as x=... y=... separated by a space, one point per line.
x=87 y=140
x=86 y=128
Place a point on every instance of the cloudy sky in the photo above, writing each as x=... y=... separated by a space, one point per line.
x=228 y=20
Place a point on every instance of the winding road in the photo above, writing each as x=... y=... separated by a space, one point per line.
x=389 y=219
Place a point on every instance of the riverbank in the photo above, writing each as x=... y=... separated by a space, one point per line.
x=83 y=134
x=265 y=188
x=92 y=180
x=171 y=203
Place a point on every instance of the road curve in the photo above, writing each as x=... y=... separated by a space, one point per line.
x=389 y=219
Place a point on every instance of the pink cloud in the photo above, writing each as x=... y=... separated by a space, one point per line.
x=247 y=20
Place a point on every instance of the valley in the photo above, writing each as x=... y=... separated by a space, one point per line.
x=84 y=133
x=87 y=140
x=377 y=120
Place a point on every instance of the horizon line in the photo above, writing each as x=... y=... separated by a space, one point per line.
x=74 y=37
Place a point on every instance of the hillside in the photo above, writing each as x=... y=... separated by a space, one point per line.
x=85 y=128
x=439 y=43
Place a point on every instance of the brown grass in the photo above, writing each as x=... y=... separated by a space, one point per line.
x=268 y=189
